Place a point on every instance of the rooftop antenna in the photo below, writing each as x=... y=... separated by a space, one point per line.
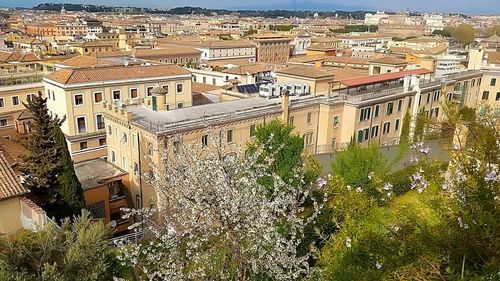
x=294 y=10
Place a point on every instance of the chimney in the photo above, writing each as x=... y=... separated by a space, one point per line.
x=285 y=103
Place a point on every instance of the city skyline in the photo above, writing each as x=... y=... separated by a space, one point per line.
x=487 y=7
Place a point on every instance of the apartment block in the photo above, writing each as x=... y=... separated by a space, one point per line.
x=78 y=94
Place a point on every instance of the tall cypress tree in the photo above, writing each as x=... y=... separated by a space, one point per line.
x=40 y=167
x=70 y=191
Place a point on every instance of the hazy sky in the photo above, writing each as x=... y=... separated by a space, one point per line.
x=454 y=6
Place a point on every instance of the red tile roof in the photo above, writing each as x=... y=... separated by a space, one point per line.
x=353 y=82
x=10 y=184
x=84 y=75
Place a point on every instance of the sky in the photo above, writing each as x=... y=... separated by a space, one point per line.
x=473 y=7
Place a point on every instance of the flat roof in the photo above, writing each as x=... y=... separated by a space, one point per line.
x=360 y=81
x=96 y=172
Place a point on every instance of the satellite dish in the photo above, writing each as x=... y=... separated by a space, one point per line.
x=125 y=63
x=113 y=223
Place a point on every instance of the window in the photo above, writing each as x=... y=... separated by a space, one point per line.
x=396 y=126
x=390 y=107
x=149 y=91
x=252 y=130
x=386 y=128
x=165 y=87
x=336 y=121
x=102 y=141
x=486 y=95
x=308 y=139
x=229 y=136
x=213 y=81
x=400 y=105
x=83 y=145
x=15 y=100
x=116 y=94
x=133 y=93
x=204 y=141
x=78 y=98
x=2 y=103
x=493 y=81
x=29 y=97
x=364 y=114
x=180 y=105
x=81 y=124
x=309 y=118
x=125 y=163
x=497 y=98
x=136 y=169
x=291 y=120
x=457 y=87
x=125 y=138
x=473 y=82
x=100 y=121
x=361 y=136
x=375 y=131
x=179 y=88
x=377 y=110
x=3 y=122
x=97 y=97
x=110 y=130
x=428 y=97
x=175 y=147
x=409 y=102
x=436 y=95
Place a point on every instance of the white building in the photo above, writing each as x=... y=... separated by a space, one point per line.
x=449 y=64
x=374 y=19
x=433 y=22
x=301 y=43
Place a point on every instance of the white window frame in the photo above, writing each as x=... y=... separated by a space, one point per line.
x=76 y=124
x=176 y=89
x=102 y=97
x=113 y=94
x=6 y=122
x=74 y=100
x=130 y=93
x=168 y=88
x=18 y=101
x=96 y=123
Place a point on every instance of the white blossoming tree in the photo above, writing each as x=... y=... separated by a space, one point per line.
x=215 y=221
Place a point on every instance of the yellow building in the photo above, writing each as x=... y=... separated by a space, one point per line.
x=78 y=95
x=318 y=80
x=139 y=137
x=11 y=108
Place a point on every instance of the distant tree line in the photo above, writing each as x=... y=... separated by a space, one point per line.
x=188 y=10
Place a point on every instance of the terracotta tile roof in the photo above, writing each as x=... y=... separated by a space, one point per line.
x=10 y=184
x=346 y=60
x=202 y=87
x=348 y=73
x=493 y=39
x=401 y=50
x=389 y=60
x=433 y=51
x=25 y=115
x=493 y=57
x=165 y=52
x=85 y=75
x=17 y=57
x=304 y=71
x=248 y=69
x=201 y=99
x=228 y=61
x=85 y=61
x=109 y=54
x=307 y=59
x=353 y=82
x=427 y=40
x=321 y=48
x=216 y=44
x=93 y=44
x=27 y=41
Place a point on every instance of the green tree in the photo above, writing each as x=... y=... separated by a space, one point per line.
x=76 y=251
x=355 y=163
x=464 y=34
x=70 y=189
x=275 y=138
x=41 y=165
x=443 y=33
